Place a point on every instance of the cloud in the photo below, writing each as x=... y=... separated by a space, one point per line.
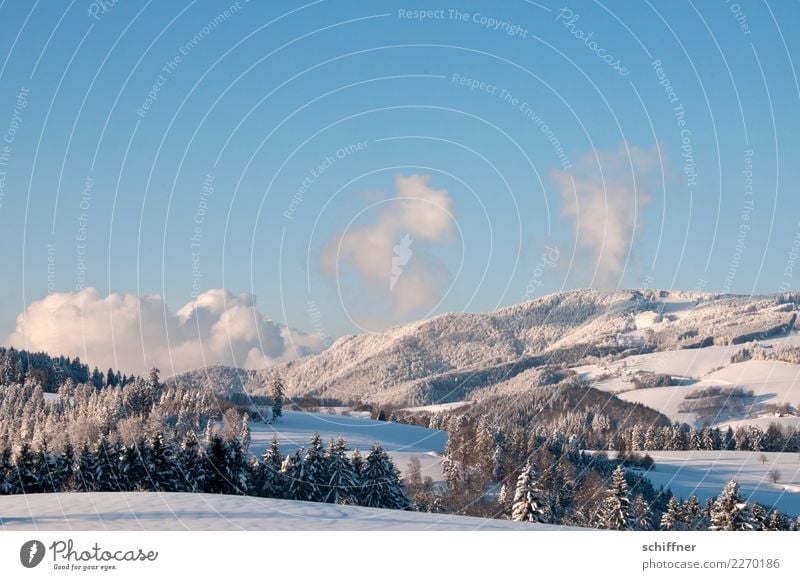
x=604 y=197
x=135 y=333
x=388 y=255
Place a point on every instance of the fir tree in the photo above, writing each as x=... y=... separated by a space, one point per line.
x=673 y=519
x=292 y=469
x=358 y=463
x=693 y=516
x=8 y=476
x=277 y=394
x=729 y=511
x=615 y=513
x=381 y=482
x=271 y=480
x=87 y=469
x=190 y=466
x=777 y=522
x=758 y=517
x=343 y=482
x=26 y=469
x=527 y=506
x=642 y=516
x=315 y=473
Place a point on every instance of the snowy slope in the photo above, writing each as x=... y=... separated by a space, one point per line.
x=705 y=473
x=188 y=511
x=448 y=358
x=401 y=441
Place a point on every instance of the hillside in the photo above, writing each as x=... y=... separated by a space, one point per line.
x=450 y=357
x=196 y=511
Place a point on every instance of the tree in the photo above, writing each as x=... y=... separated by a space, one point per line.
x=271 y=481
x=642 y=516
x=381 y=482
x=527 y=506
x=190 y=466
x=343 y=483
x=8 y=477
x=759 y=517
x=693 y=516
x=729 y=512
x=316 y=473
x=277 y=391
x=673 y=519
x=615 y=513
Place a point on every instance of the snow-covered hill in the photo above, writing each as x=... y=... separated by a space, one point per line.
x=195 y=511
x=450 y=357
x=401 y=441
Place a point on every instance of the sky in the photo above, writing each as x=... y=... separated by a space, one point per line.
x=193 y=183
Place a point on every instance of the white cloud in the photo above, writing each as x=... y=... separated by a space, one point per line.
x=135 y=333
x=604 y=196
x=384 y=253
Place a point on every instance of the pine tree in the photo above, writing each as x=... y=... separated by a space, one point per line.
x=343 y=482
x=26 y=472
x=277 y=394
x=527 y=506
x=316 y=473
x=271 y=480
x=729 y=511
x=87 y=470
x=64 y=469
x=758 y=517
x=190 y=466
x=237 y=469
x=777 y=522
x=216 y=460
x=673 y=519
x=615 y=513
x=381 y=482
x=9 y=482
x=642 y=516
x=293 y=468
x=358 y=463
x=244 y=434
x=693 y=516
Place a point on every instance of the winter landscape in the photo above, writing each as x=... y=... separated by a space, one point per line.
x=586 y=409
x=321 y=265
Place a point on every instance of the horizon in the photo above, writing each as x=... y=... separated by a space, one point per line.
x=243 y=184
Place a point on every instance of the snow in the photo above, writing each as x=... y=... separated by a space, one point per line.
x=705 y=473
x=439 y=407
x=401 y=441
x=191 y=511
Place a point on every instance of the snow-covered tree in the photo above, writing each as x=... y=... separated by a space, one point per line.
x=381 y=485
x=271 y=482
x=730 y=511
x=673 y=519
x=277 y=393
x=342 y=487
x=642 y=516
x=615 y=512
x=527 y=506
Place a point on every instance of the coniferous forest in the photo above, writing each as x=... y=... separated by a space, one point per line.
x=585 y=468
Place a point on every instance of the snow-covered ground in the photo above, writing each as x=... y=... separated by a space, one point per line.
x=772 y=382
x=705 y=473
x=194 y=511
x=402 y=442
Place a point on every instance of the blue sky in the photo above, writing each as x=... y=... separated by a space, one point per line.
x=500 y=105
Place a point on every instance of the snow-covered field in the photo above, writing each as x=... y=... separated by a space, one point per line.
x=402 y=442
x=191 y=511
x=772 y=382
x=705 y=473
